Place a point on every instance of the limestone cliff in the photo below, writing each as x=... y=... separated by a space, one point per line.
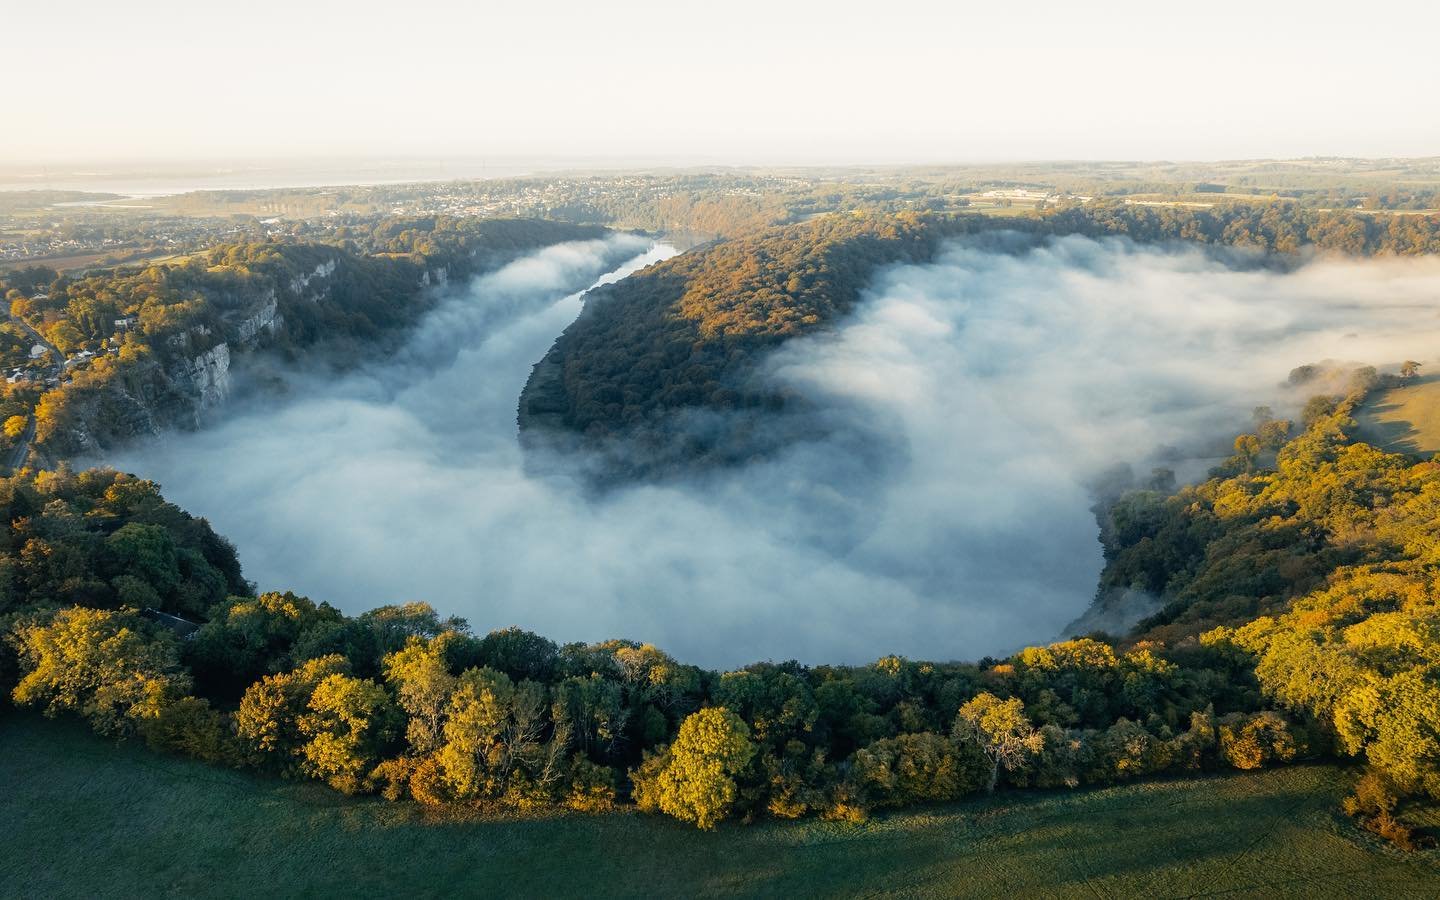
x=321 y=304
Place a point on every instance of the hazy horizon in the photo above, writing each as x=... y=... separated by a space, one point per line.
x=156 y=178
x=754 y=84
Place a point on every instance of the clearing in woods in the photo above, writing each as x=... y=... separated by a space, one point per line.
x=1404 y=419
x=87 y=818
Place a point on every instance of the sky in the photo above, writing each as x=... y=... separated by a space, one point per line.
x=997 y=387
x=743 y=82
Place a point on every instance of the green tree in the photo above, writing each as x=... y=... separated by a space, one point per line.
x=917 y=768
x=146 y=552
x=248 y=637
x=519 y=654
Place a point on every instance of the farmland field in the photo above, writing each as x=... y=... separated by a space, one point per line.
x=85 y=818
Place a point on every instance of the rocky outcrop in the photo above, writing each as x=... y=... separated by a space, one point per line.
x=266 y=320
x=299 y=283
x=208 y=377
x=329 y=305
x=148 y=400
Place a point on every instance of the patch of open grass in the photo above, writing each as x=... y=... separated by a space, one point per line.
x=1404 y=419
x=85 y=818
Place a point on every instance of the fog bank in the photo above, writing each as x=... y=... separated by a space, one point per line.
x=1005 y=380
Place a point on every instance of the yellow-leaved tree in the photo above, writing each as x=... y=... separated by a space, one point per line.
x=350 y=724
x=1000 y=730
x=694 y=779
x=268 y=720
x=97 y=663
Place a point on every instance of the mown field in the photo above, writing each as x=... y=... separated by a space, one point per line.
x=85 y=818
x=1404 y=419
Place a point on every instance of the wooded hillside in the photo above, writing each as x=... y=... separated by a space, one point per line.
x=638 y=379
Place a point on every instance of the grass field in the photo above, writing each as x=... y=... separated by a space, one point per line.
x=1404 y=419
x=84 y=818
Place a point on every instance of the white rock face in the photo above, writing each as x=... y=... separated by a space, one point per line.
x=187 y=337
x=324 y=270
x=268 y=319
x=210 y=371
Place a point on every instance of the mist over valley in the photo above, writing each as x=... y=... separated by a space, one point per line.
x=1003 y=378
x=939 y=449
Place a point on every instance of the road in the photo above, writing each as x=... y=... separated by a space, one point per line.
x=22 y=447
x=39 y=338
x=21 y=450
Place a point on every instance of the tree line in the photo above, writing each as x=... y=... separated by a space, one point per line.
x=1317 y=569
x=1337 y=655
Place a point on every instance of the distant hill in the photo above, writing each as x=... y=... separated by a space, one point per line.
x=18 y=201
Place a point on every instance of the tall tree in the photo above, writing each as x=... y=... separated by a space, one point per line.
x=1000 y=730
x=695 y=779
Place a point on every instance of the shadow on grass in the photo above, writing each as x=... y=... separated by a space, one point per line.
x=1381 y=425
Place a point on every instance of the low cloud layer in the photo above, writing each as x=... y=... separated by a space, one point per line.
x=1002 y=380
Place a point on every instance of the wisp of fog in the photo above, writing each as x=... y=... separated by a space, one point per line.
x=1006 y=379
